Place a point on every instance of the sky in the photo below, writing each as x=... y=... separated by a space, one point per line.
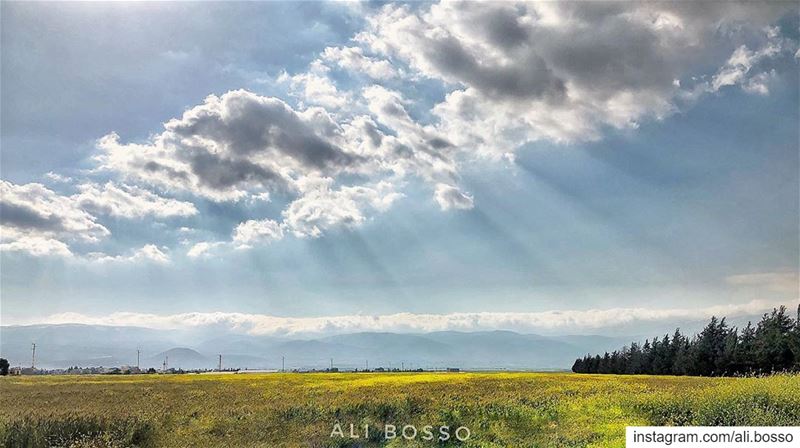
x=388 y=166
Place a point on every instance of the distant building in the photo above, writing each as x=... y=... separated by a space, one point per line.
x=453 y=369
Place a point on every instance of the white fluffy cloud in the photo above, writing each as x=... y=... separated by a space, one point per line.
x=203 y=249
x=38 y=213
x=245 y=145
x=738 y=70
x=354 y=60
x=322 y=207
x=566 y=321
x=315 y=88
x=231 y=146
x=449 y=197
x=509 y=73
x=55 y=177
x=130 y=202
x=40 y=222
x=148 y=252
x=254 y=231
x=560 y=72
x=37 y=246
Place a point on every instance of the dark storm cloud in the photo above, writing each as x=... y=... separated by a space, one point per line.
x=172 y=173
x=502 y=28
x=23 y=216
x=233 y=144
x=221 y=173
x=439 y=143
x=528 y=77
x=518 y=51
x=246 y=124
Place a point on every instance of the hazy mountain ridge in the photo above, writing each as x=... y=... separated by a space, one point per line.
x=60 y=346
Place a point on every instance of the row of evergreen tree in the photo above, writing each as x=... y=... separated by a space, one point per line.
x=772 y=346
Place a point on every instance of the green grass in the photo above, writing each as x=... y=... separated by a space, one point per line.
x=273 y=410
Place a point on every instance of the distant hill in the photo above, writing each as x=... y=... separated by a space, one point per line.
x=182 y=358
x=60 y=346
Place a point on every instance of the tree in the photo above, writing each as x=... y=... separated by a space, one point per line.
x=647 y=358
x=773 y=341
x=794 y=340
x=662 y=356
x=725 y=362
x=3 y=367
x=605 y=364
x=772 y=346
x=633 y=358
x=710 y=347
x=577 y=367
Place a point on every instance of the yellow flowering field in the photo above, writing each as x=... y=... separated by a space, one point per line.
x=308 y=410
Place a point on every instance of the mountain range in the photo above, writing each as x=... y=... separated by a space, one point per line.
x=61 y=346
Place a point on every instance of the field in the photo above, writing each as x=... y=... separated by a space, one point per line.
x=300 y=410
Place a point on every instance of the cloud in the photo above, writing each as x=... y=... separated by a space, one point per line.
x=41 y=222
x=354 y=60
x=55 y=177
x=740 y=69
x=202 y=249
x=253 y=231
x=322 y=207
x=33 y=216
x=788 y=282
x=261 y=197
x=415 y=149
x=563 y=321
x=148 y=253
x=318 y=89
x=245 y=145
x=505 y=73
x=449 y=197
x=231 y=145
x=37 y=246
x=129 y=202
x=561 y=72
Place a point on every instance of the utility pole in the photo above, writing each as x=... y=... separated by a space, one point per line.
x=138 y=352
x=33 y=355
x=366 y=364
x=283 y=364
x=220 y=363
x=331 y=364
x=402 y=366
